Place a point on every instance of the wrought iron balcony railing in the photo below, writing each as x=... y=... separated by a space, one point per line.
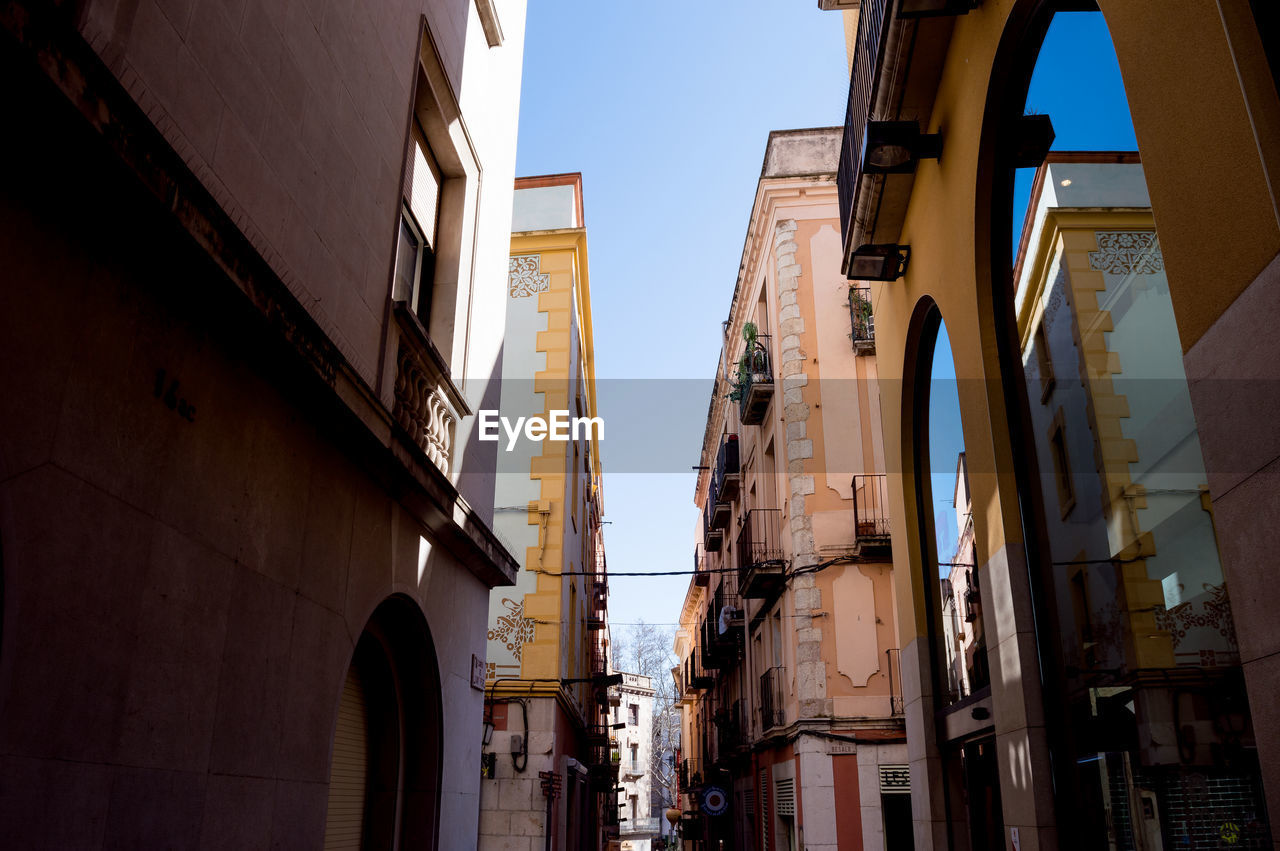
x=862 y=320
x=701 y=576
x=726 y=619
x=872 y=21
x=871 y=510
x=761 y=561
x=713 y=534
x=690 y=774
x=754 y=382
x=727 y=474
x=772 y=706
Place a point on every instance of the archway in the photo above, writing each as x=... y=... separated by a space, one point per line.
x=959 y=673
x=1150 y=722
x=385 y=765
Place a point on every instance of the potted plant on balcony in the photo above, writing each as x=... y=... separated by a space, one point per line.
x=742 y=380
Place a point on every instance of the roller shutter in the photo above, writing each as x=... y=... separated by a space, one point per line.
x=349 y=772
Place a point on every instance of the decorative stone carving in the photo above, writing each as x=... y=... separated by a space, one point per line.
x=525 y=278
x=513 y=629
x=1124 y=252
x=422 y=409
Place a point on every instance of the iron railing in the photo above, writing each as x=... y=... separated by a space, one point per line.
x=729 y=730
x=701 y=577
x=759 y=543
x=862 y=320
x=772 y=711
x=712 y=534
x=872 y=29
x=893 y=659
x=726 y=620
x=724 y=479
x=871 y=509
x=753 y=384
x=690 y=773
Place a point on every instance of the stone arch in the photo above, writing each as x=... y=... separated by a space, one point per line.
x=394 y=677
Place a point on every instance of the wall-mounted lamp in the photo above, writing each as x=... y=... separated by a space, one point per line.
x=885 y=262
x=934 y=8
x=894 y=147
x=1033 y=136
x=488 y=733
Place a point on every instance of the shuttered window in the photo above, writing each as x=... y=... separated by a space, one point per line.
x=349 y=773
x=784 y=797
x=765 y=815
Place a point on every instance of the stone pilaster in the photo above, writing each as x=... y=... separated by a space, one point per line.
x=811 y=685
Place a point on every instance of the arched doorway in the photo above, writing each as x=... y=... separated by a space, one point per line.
x=1150 y=732
x=384 y=776
x=960 y=673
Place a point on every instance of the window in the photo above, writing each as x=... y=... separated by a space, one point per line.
x=1045 y=362
x=419 y=227
x=1061 y=465
x=635 y=757
x=431 y=276
x=633 y=714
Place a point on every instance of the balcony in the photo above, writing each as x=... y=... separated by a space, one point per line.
x=713 y=534
x=712 y=658
x=862 y=321
x=761 y=566
x=731 y=742
x=640 y=825
x=696 y=677
x=727 y=474
x=726 y=622
x=701 y=577
x=753 y=386
x=690 y=774
x=772 y=712
x=871 y=514
x=427 y=404
x=872 y=27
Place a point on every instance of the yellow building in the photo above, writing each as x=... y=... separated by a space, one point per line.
x=547 y=635
x=1110 y=404
x=789 y=674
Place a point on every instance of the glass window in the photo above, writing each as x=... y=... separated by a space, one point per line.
x=1158 y=733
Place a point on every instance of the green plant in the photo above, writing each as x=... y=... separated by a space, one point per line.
x=742 y=379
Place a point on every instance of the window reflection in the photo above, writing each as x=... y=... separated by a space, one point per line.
x=963 y=639
x=1159 y=725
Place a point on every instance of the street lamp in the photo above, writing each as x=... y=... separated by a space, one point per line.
x=894 y=147
x=884 y=262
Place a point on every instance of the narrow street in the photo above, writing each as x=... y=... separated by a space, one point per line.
x=368 y=373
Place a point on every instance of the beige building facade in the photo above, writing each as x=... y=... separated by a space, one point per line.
x=548 y=635
x=788 y=678
x=1109 y=408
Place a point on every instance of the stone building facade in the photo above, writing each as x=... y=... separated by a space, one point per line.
x=246 y=533
x=548 y=635
x=788 y=678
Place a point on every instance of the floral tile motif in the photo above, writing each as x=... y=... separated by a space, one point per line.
x=513 y=629
x=1124 y=252
x=525 y=278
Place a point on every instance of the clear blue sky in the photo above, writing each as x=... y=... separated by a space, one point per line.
x=665 y=109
